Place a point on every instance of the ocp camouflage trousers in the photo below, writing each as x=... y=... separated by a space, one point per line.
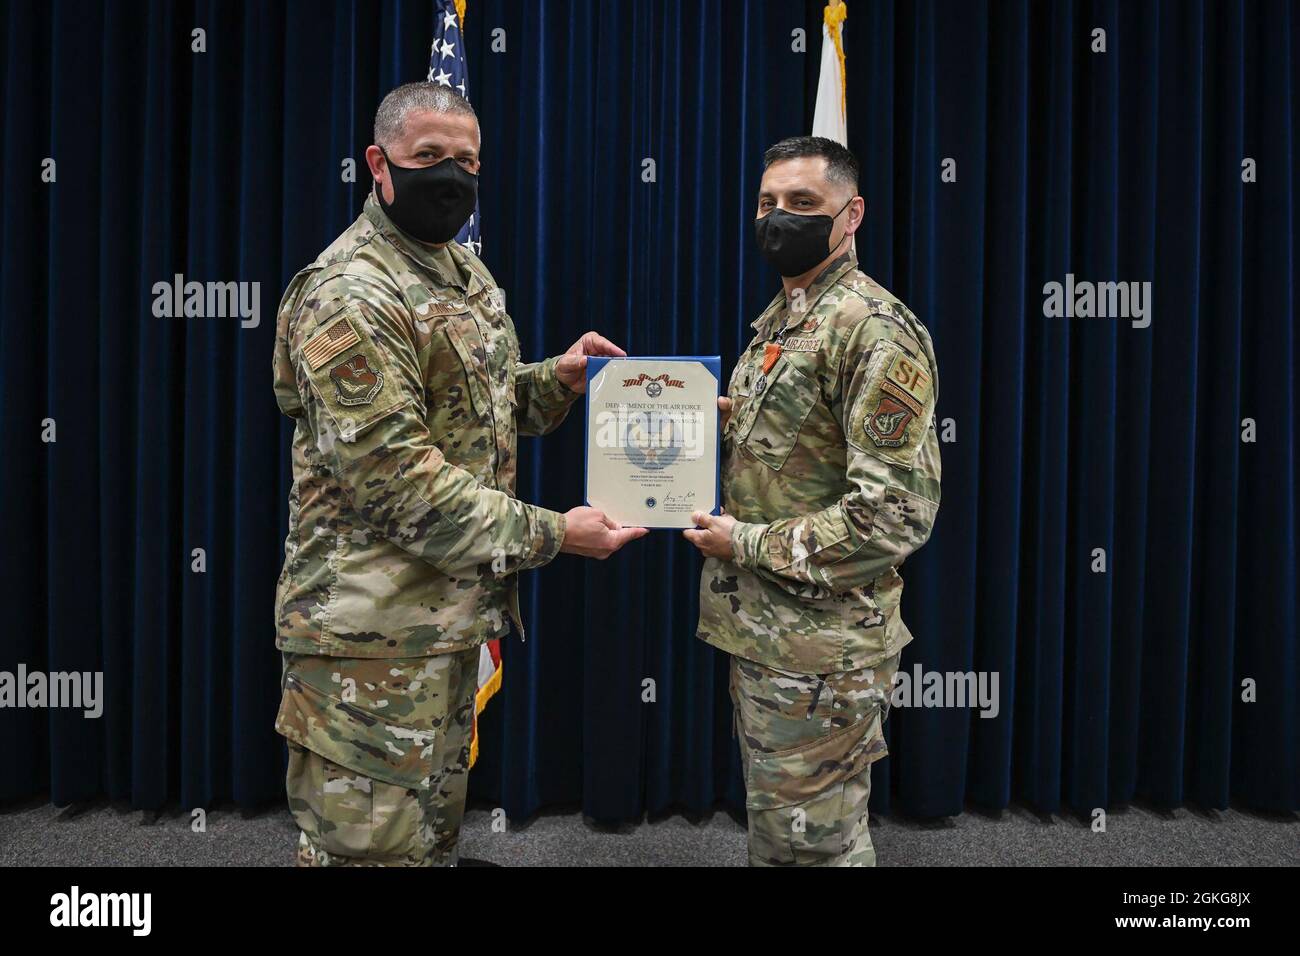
x=378 y=756
x=807 y=743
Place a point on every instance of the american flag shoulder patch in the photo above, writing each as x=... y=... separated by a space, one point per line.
x=329 y=342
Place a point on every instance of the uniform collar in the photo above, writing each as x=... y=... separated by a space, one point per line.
x=424 y=256
x=812 y=295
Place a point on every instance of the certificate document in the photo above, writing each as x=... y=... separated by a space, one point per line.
x=652 y=438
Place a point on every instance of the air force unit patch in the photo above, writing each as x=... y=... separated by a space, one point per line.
x=897 y=402
x=355 y=383
x=887 y=424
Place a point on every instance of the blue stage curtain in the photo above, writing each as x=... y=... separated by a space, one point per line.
x=1067 y=435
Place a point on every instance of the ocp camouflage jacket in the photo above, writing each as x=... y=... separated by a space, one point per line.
x=401 y=370
x=830 y=464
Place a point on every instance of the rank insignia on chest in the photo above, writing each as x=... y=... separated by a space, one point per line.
x=355 y=383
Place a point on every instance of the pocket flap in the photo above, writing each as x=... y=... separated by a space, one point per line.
x=474 y=360
x=792 y=777
x=353 y=737
x=778 y=414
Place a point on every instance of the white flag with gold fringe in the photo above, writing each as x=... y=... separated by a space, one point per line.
x=830 y=117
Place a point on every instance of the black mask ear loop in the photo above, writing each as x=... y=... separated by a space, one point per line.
x=837 y=215
x=388 y=164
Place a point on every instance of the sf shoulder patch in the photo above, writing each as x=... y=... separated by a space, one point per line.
x=896 y=406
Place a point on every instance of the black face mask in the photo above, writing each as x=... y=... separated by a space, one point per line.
x=430 y=203
x=793 y=244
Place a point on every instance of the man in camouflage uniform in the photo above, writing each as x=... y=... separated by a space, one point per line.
x=830 y=479
x=397 y=361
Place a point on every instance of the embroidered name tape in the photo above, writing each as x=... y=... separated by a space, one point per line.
x=441 y=308
x=802 y=345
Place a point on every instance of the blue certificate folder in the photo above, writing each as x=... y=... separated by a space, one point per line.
x=713 y=363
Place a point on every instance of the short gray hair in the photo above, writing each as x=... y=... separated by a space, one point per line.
x=390 y=118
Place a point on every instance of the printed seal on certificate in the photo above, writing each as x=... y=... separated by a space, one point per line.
x=652 y=438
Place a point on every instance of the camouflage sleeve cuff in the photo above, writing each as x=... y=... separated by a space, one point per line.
x=548 y=390
x=548 y=529
x=747 y=543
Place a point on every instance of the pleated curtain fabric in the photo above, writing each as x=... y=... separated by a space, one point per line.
x=622 y=147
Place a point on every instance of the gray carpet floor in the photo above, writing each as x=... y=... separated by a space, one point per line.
x=104 y=835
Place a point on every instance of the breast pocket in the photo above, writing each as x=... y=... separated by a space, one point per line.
x=775 y=415
x=456 y=394
x=468 y=345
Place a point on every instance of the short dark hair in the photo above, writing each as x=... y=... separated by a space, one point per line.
x=390 y=118
x=841 y=165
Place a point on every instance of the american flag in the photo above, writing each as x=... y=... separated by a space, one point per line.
x=447 y=66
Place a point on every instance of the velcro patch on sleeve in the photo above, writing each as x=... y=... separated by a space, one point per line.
x=351 y=374
x=329 y=342
x=895 y=408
